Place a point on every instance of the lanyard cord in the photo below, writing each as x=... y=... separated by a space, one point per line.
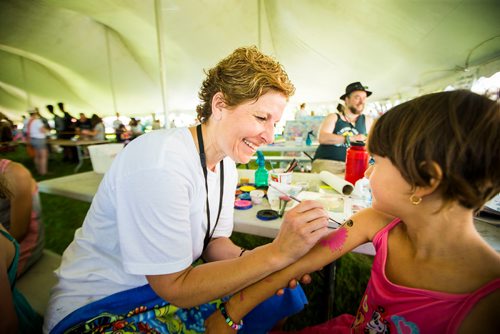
x=203 y=161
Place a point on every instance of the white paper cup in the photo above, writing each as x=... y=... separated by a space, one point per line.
x=256 y=196
x=278 y=175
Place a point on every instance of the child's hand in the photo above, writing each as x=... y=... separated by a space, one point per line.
x=216 y=324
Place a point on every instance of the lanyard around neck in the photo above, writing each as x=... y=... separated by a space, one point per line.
x=203 y=161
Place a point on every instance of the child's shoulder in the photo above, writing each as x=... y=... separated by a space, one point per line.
x=371 y=221
x=490 y=263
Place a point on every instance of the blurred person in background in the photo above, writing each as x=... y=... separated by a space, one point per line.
x=117 y=127
x=36 y=136
x=21 y=213
x=98 y=131
x=17 y=316
x=83 y=123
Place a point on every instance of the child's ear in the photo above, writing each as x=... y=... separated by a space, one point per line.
x=435 y=174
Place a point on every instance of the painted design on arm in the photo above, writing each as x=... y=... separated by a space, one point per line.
x=335 y=240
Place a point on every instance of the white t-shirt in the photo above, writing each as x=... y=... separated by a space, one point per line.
x=37 y=129
x=147 y=218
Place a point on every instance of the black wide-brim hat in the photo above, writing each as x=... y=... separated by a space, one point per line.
x=352 y=87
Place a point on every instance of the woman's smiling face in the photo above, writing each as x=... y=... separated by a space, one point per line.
x=249 y=125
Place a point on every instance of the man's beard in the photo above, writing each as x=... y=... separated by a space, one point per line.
x=356 y=111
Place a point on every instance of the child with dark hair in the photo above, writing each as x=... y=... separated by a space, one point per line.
x=436 y=163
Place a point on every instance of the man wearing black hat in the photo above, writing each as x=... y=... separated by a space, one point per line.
x=338 y=130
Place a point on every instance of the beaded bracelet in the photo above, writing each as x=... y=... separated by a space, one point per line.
x=229 y=321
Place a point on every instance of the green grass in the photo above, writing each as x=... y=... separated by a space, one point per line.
x=62 y=216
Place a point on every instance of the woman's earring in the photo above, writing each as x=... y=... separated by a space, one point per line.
x=415 y=200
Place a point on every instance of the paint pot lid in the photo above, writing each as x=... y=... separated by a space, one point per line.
x=267 y=214
x=247 y=189
x=241 y=204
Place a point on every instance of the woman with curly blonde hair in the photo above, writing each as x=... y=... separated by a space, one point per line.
x=166 y=201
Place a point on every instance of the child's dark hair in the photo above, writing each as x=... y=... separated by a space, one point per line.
x=458 y=130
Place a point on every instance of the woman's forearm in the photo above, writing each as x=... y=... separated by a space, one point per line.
x=206 y=282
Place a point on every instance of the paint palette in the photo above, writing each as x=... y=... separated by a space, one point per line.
x=338 y=206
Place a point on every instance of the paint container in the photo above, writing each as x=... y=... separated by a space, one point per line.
x=241 y=204
x=245 y=196
x=267 y=215
x=279 y=175
x=247 y=189
x=256 y=196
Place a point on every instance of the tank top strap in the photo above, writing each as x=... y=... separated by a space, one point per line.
x=3 y=164
x=470 y=302
x=13 y=266
x=385 y=230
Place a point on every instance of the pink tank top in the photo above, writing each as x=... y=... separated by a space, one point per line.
x=390 y=308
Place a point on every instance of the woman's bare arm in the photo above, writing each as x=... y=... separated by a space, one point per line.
x=302 y=227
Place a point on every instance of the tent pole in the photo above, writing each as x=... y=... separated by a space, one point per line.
x=25 y=81
x=259 y=37
x=161 y=60
x=110 y=69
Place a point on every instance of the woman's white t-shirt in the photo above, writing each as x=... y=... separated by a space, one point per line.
x=147 y=218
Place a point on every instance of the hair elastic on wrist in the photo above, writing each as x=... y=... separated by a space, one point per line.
x=348 y=141
x=243 y=250
x=229 y=321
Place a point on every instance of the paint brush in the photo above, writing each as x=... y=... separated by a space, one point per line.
x=299 y=201
x=292 y=165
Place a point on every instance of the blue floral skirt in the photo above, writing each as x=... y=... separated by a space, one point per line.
x=140 y=310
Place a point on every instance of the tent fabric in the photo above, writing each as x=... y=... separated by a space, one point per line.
x=144 y=56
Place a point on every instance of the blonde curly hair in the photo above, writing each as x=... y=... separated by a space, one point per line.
x=244 y=75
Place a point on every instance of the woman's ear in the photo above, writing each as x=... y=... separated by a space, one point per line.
x=218 y=103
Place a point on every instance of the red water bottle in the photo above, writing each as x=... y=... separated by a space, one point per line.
x=356 y=162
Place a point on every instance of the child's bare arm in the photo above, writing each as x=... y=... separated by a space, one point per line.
x=353 y=233
x=483 y=318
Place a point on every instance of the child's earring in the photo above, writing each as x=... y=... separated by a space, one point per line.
x=415 y=200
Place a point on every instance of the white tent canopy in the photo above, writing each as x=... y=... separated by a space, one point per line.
x=140 y=57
